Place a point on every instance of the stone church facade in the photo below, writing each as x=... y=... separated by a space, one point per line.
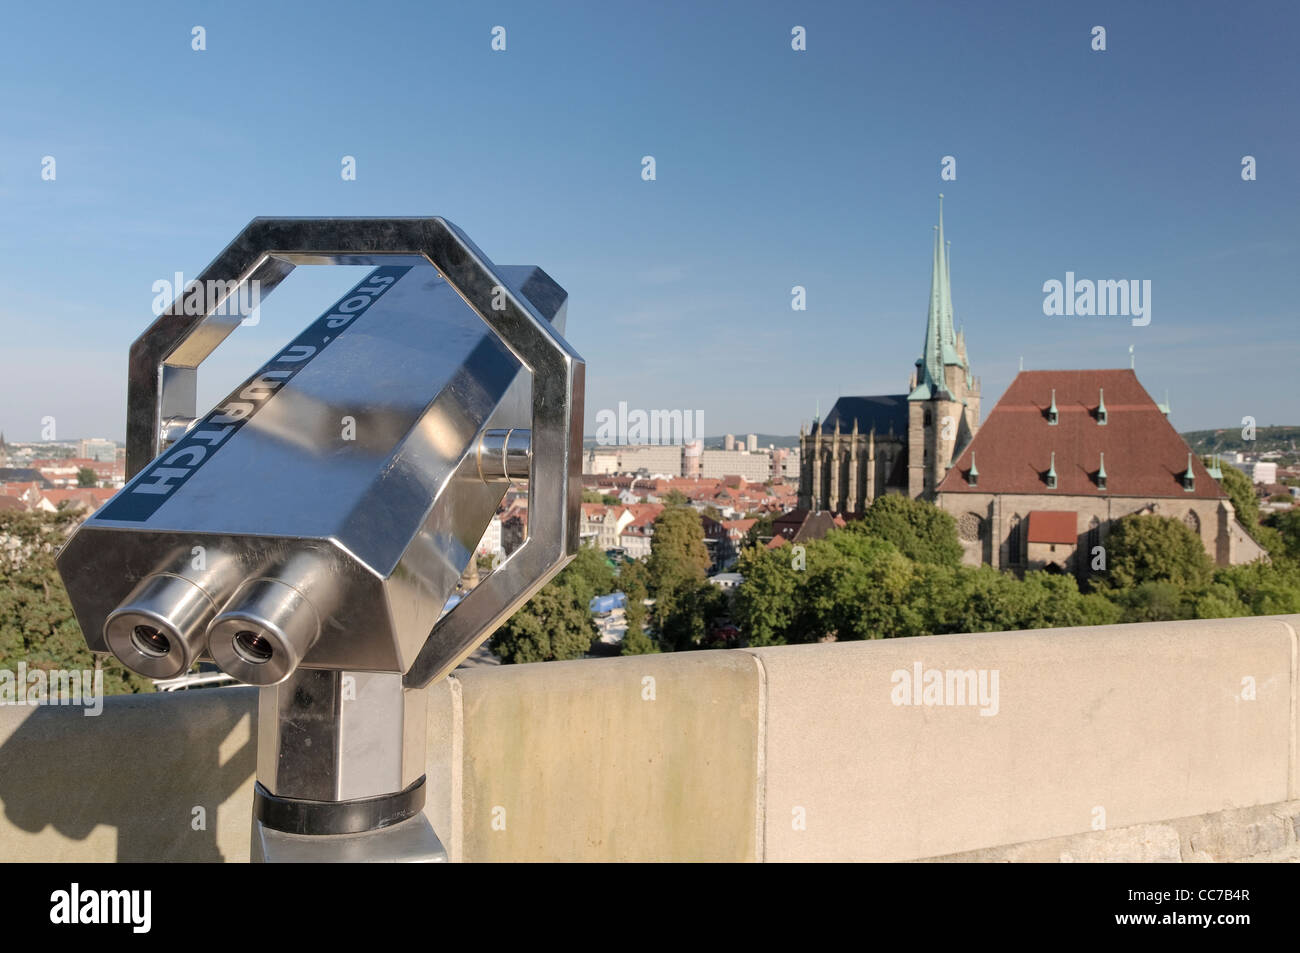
x=897 y=443
x=1063 y=455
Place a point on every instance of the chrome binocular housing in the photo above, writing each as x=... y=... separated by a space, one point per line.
x=324 y=512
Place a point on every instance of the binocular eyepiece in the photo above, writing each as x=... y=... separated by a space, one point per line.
x=257 y=631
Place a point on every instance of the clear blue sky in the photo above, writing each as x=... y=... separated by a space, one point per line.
x=775 y=168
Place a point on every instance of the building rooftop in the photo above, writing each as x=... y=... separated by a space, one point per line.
x=1145 y=456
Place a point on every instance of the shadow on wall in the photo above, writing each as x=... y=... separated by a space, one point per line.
x=158 y=779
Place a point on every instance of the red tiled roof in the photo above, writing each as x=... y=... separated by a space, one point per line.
x=16 y=489
x=641 y=512
x=1145 y=456
x=1053 y=526
x=92 y=497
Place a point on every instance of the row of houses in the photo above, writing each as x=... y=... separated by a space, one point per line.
x=64 y=473
x=732 y=495
x=30 y=497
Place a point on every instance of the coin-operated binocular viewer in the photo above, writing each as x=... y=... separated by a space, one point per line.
x=306 y=533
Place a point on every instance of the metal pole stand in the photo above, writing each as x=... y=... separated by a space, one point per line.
x=340 y=771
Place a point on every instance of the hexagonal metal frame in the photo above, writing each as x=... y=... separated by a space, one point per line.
x=164 y=365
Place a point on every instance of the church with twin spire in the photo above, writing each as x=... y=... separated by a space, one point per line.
x=897 y=443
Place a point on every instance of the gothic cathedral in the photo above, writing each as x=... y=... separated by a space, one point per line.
x=897 y=443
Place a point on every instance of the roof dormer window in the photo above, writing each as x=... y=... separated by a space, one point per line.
x=1101 y=408
x=1053 y=415
x=1051 y=473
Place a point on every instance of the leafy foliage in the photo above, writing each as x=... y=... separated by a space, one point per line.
x=552 y=626
x=678 y=561
x=556 y=624
x=634 y=580
x=37 y=625
x=861 y=587
x=1287 y=525
x=1241 y=492
x=1150 y=548
x=761 y=530
x=920 y=530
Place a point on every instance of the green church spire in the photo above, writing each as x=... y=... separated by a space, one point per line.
x=940 y=341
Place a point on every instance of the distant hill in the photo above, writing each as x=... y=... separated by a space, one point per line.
x=1286 y=439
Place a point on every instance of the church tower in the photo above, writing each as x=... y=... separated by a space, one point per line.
x=944 y=404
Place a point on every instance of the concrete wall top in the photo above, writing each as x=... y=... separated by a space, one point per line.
x=818 y=752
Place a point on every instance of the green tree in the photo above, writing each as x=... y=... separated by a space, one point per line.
x=1241 y=492
x=634 y=581
x=678 y=560
x=862 y=587
x=770 y=599
x=556 y=624
x=919 y=529
x=636 y=642
x=1154 y=600
x=588 y=574
x=1272 y=541
x=86 y=477
x=553 y=625
x=37 y=625
x=760 y=531
x=1218 y=601
x=695 y=610
x=1287 y=524
x=1150 y=548
x=674 y=497
x=1264 y=588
